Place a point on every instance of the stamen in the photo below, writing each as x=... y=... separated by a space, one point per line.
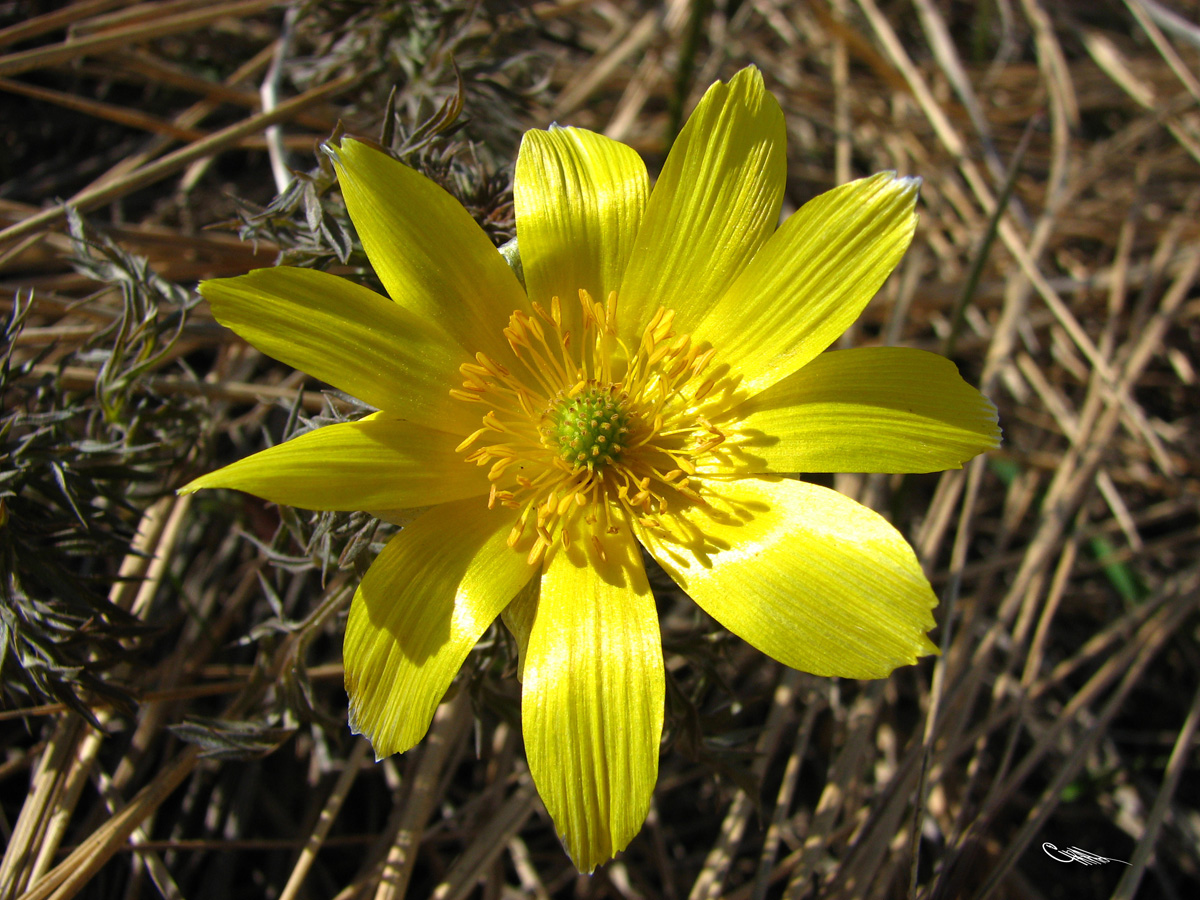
x=587 y=428
x=475 y=435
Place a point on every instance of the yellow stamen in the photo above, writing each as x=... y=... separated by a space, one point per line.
x=588 y=428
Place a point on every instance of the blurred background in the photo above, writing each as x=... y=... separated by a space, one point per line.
x=173 y=722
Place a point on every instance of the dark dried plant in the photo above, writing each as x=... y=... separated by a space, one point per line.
x=77 y=469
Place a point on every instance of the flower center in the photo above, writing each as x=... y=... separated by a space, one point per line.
x=587 y=426
x=589 y=429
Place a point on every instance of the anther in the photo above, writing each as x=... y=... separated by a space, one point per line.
x=475 y=435
x=492 y=368
x=575 y=438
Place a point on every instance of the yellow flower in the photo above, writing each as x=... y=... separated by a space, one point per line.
x=658 y=380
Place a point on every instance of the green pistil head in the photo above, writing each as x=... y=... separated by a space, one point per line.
x=590 y=428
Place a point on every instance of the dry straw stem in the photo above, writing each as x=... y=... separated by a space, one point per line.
x=57 y=54
x=450 y=727
x=1064 y=705
x=173 y=162
x=329 y=812
x=71 y=751
x=117 y=114
x=1176 y=765
x=36 y=26
x=721 y=856
x=477 y=860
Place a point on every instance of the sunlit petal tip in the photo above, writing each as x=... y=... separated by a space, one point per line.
x=433 y=258
x=907 y=183
x=419 y=610
x=344 y=145
x=870 y=409
x=927 y=648
x=748 y=88
x=813 y=278
x=715 y=204
x=906 y=188
x=593 y=695
x=219 y=478
x=378 y=462
x=993 y=416
x=377 y=746
x=805 y=574
x=204 y=482
x=749 y=81
x=331 y=147
x=347 y=335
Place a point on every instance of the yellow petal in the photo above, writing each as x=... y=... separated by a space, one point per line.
x=423 y=604
x=375 y=463
x=348 y=336
x=592 y=699
x=812 y=279
x=714 y=205
x=431 y=256
x=803 y=573
x=874 y=409
x=518 y=619
x=579 y=199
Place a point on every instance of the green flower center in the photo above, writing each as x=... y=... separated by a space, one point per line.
x=590 y=428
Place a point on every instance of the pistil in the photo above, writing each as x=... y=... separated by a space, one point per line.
x=585 y=427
